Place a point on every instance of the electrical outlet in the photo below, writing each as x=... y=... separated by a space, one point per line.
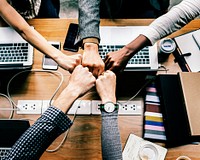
x=134 y=107
x=95 y=107
x=29 y=107
x=45 y=105
x=80 y=107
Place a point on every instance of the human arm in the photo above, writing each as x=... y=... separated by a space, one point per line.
x=173 y=20
x=53 y=122
x=110 y=136
x=177 y=17
x=117 y=61
x=89 y=37
x=15 y=20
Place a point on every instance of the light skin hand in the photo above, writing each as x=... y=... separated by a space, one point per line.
x=80 y=82
x=92 y=59
x=106 y=86
x=35 y=38
x=69 y=62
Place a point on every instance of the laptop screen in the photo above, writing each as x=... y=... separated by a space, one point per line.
x=11 y=130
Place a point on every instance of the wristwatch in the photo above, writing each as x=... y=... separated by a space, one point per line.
x=109 y=107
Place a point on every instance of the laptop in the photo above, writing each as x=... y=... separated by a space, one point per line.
x=10 y=132
x=15 y=52
x=115 y=37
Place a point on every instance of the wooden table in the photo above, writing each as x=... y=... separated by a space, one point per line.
x=84 y=141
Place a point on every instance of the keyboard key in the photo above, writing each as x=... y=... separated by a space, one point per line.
x=9 y=52
x=142 y=57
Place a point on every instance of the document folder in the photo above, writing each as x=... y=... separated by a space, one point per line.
x=190 y=85
x=180 y=106
x=174 y=113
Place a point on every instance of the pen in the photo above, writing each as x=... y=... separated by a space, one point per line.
x=196 y=37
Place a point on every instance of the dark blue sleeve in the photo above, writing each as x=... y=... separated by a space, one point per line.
x=40 y=135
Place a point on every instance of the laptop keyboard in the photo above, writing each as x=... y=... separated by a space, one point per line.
x=142 y=57
x=3 y=153
x=14 y=52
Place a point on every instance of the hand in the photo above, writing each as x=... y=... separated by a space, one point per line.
x=116 y=61
x=80 y=82
x=69 y=62
x=106 y=86
x=92 y=59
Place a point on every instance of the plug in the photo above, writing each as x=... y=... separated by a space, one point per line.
x=80 y=107
x=150 y=77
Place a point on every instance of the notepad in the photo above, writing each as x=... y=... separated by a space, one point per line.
x=180 y=106
x=174 y=114
x=187 y=44
x=190 y=83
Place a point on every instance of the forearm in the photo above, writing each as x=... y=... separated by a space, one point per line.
x=172 y=21
x=136 y=45
x=65 y=99
x=40 y=135
x=40 y=43
x=89 y=19
x=16 y=21
x=110 y=137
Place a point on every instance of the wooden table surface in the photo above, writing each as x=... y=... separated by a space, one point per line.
x=84 y=139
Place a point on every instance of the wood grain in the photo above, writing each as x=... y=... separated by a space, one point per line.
x=84 y=139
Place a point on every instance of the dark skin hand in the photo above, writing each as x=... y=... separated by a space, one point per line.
x=117 y=61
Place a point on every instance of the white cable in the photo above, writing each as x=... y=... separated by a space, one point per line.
x=66 y=133
x=137 y=92
x=11 y=106
x=183 y=158
x=35 y=70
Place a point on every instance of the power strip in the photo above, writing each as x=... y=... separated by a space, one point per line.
x=134 y=107
x=81 y=107
x=32 y=106
x=29 y=107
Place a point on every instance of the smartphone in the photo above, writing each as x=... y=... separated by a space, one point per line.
x=71 y=37
x=48 y=62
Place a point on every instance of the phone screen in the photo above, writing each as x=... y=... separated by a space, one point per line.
x=48 y=62
x=71 y=37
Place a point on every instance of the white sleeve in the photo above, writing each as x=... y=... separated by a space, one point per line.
x=173 y=20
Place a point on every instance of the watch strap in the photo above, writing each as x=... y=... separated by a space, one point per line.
x=102 y=106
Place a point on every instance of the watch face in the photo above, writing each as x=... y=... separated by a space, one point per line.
x=109 y=107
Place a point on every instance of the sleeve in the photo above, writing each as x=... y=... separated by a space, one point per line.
x=110 y=137
x=89 y=20
x=175 y=19
x=40 y=135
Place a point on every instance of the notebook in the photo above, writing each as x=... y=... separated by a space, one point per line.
x=115 y=37
x=191 y=90
x=187 y=53
x=10 y=131
x=15 y=52
x=175 y=120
